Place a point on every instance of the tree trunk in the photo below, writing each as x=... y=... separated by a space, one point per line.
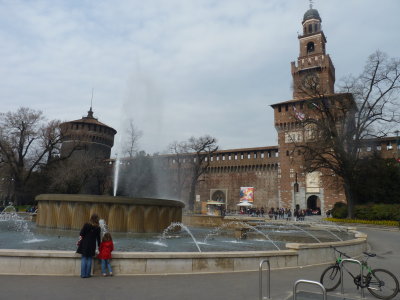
x=349 y=199
x=192 y=195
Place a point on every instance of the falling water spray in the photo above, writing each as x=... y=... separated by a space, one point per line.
x=116 y=175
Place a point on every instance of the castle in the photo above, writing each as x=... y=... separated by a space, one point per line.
x=277 y=174
x=274 y=175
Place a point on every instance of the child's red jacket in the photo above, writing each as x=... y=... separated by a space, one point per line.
x=105 y=250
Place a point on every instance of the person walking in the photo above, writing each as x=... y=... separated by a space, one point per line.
x=89 y=235
x=105 y=249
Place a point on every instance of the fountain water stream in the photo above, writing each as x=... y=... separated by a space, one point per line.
x=305 y=231
x=184 y=227
x=243 y=224
x=116 y=174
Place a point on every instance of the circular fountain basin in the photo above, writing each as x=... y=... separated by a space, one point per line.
x=122 y=214
x=52 y=251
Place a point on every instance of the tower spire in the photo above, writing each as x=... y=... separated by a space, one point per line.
x=311 y=4
x=90 y=112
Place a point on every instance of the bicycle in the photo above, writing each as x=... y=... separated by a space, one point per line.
x=380 y=283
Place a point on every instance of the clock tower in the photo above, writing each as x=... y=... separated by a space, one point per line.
x=313 y=81
x=314 y=73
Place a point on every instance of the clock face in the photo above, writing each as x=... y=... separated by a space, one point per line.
x=311 y=82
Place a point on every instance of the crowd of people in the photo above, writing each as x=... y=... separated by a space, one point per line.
x=279 y=213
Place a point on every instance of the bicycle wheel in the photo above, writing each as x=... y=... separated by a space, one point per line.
x=383 y=284
x=330 y=278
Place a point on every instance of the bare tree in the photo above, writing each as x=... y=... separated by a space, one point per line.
x=181 y=174
x=71 y=176
x=25 y=140
x=131 y=138
x=202 y=148
x=339 y=125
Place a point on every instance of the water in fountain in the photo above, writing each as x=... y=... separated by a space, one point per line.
x=9 y=209
x=243 y=224
x=15 y=223
x=305 y=231
x=173 y=226
x=103 y=227
x=322 y=226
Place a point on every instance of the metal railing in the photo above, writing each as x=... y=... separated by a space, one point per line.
x=261 y=281
x=361 y=274
x=308 y=282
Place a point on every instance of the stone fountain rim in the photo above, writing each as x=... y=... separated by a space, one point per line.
x=109 y=199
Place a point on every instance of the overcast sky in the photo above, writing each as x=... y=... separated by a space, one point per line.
x=178 y=68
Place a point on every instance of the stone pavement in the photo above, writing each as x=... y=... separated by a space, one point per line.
x=232 y=286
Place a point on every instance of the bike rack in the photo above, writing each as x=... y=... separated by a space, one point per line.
x=309 y=282
x=260 y=279
x=361 y=274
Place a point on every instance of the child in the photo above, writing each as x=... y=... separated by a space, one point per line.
x=105 y=249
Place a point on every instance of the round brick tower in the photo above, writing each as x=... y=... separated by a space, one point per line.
x=87 y=136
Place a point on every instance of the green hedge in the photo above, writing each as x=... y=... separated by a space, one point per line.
x=369 y=212
x=371 y=222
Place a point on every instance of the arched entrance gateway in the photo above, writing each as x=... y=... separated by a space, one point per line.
x=314 y=204
x=218 y=195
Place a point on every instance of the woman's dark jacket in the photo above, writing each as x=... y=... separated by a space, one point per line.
x=90 y=234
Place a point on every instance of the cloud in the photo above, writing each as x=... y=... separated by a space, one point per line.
x=178 y=68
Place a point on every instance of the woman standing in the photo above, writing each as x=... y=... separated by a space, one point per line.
x=90 y=233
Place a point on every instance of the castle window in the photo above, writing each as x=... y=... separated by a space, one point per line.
x=389 y=146
x=310 y=47
x=211 y=158
x=223 y=157
x=248 y=156
x=369 y=149
x=301 y=105
x=255 y=154
x=279 y=108
x=236 y=157
x=379 y=148
x=286 y=107
x=309 y=28
x=287 y=152
x=241 y=156
x=262 y=154
x=315 y=27
x=305 y=29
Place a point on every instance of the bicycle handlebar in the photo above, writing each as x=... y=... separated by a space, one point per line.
x=344 y=254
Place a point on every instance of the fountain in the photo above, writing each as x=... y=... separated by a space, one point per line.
x=122 y=214
x=178 y=249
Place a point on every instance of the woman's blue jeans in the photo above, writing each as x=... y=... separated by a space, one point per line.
x=86 y=266
x=105 y=264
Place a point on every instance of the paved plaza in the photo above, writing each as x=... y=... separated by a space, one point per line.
x=232 y=286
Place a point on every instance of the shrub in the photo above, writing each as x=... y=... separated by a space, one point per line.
x=388 y=212
x=339 y=210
